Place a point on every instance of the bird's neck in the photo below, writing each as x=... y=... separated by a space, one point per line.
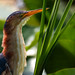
x=9 y=42
x=14 y=49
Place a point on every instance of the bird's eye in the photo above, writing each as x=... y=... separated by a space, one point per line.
x=21 y=15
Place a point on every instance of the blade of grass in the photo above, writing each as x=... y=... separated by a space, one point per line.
x=41 y=32
x=41 y=28
x=53 y=15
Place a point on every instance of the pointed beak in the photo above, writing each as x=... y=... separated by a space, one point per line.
x=32 y=12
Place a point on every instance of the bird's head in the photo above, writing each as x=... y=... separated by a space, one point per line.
x=19 y=18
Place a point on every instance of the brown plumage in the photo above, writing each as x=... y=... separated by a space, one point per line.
x=13 y=42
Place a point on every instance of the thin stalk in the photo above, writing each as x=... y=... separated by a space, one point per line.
x=41 y=33
x=41 y=28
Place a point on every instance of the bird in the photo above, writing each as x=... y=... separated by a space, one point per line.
x=14 y=53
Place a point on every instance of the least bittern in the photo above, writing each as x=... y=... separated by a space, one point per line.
x=13 y=43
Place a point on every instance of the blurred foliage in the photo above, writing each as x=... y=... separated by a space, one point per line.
x=33 y=21
x=31 y=4
x=27 y=32
x=1 y=24
x=34 y=42
x=68 y=71
x=1 y=32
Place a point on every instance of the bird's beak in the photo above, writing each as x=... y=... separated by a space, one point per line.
x=32 y=12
